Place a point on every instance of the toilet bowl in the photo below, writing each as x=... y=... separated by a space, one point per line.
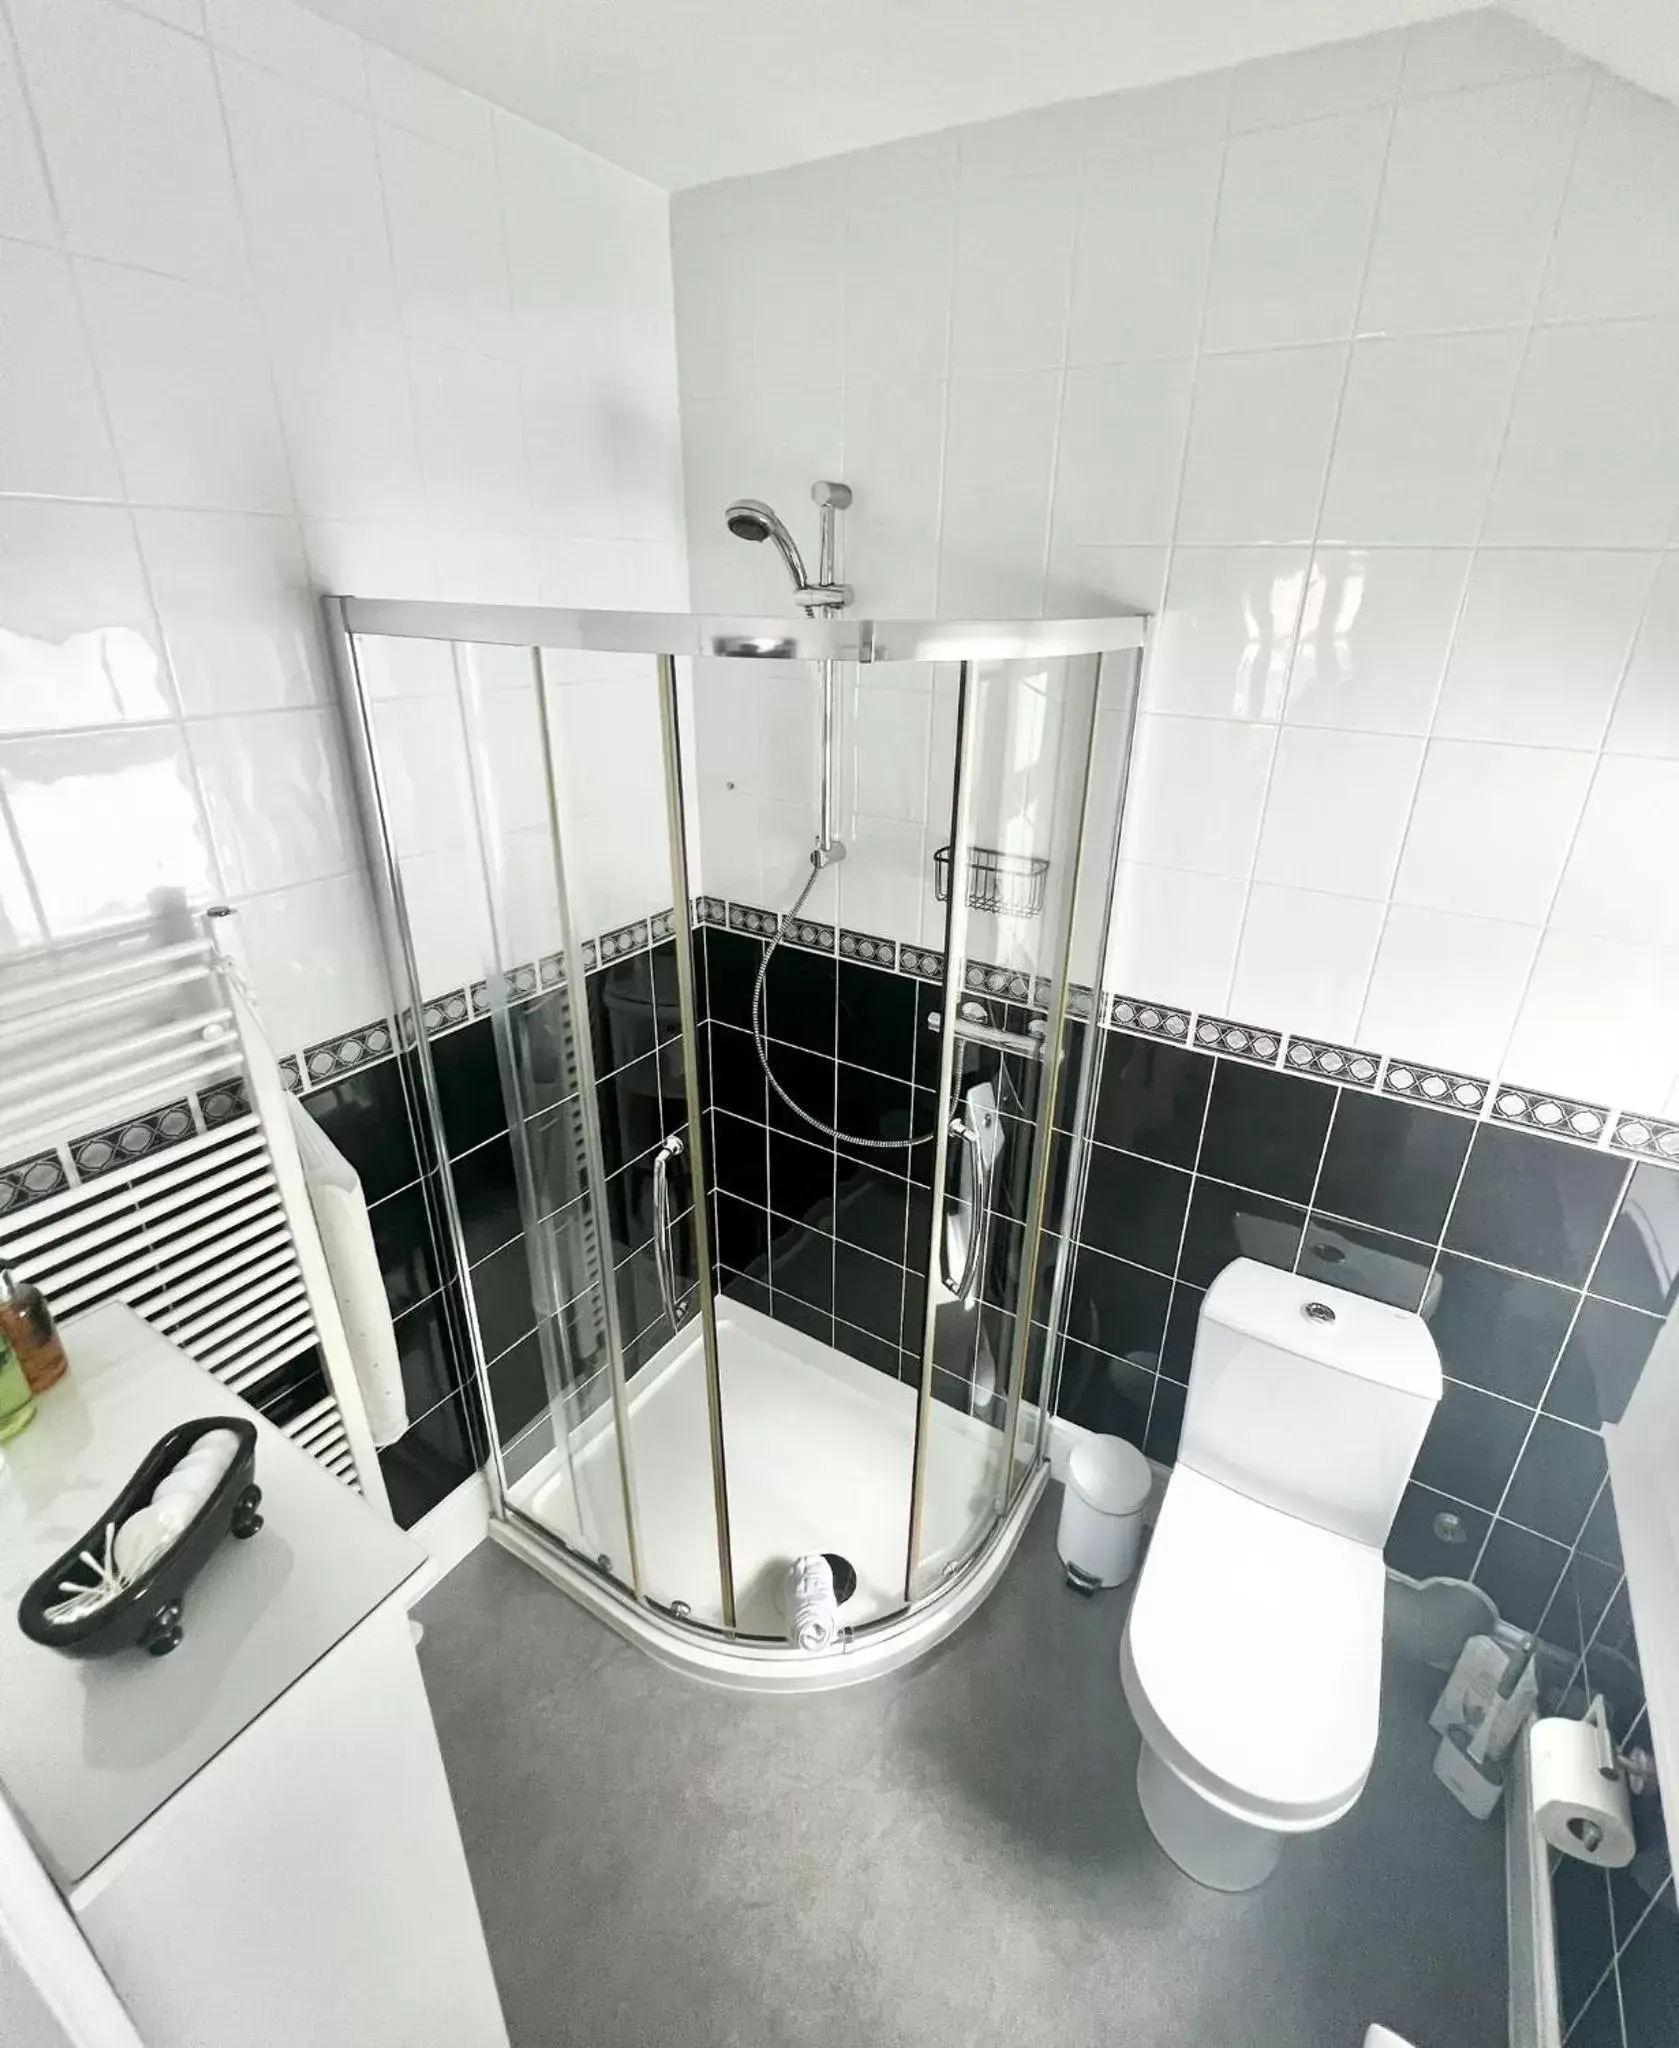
x=1252 y=1654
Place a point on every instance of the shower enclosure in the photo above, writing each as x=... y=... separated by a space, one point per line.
x=755 y=1217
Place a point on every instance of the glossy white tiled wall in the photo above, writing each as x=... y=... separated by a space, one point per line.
x=1360 y=368
x=279 y=315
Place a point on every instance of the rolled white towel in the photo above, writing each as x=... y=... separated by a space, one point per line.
x=812 y=1611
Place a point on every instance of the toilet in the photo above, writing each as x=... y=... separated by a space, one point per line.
x=1252 y=1657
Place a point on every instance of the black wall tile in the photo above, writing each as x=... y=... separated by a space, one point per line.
x=1393 y=1164
x=1556 y=1480
x=619 y=1000
x=799 y=999
x=299 y=1384
x=1118 y=1309
x=629 y=1106
x=545 y=1050
x=1265 y=1130
x=742 y=1232
x=1134 y=1208
x=366 y=1116
x=504 y=1298
x=1585 y=1936
x=437 y=1454
x=868 y=1291
x=802 y=1315
x=867 y=1348
x=1498 y=1330
x=876 y=1019
x=1228 y=1223
x=402 y=1239
x=1601 y=1537
x=872 y=1106
x=737 y=1080
x=802 y=1263
x=1649 y=1977
x=1640 y=1263
x=739 y=1157
x=1534 y=1203
x=1416 y=1548
x=1183 y=1319
x=1601 y=1362
x=1104 y=1393
x=871 y=1209
x=731 y=964
x=1152 y=1098
x=1165 y=1422
x=667 y=991
x=801 y=1179
x=518 y=1389
x=1584 y=1592
x=1471 y=1446
x=1519 y=1572
x=431 y=1362
x=468 y=1085
x=1373 y=1263
x=487 y=1196
x=1599 y=2026
x=555 y=1142
x=809 y=1079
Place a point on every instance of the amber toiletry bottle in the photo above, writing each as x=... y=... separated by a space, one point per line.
x=17 y=1403
x=27 y=1325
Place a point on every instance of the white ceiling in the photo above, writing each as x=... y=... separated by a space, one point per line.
x=684 y=91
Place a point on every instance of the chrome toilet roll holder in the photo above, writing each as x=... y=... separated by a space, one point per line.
x=1636 y=1765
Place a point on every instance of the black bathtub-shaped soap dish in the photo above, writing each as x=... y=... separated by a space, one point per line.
x=147 y=1613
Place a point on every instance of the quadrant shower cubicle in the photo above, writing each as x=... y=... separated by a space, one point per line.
x=753 y=1262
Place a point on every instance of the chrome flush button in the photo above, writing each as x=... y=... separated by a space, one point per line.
x=1317 y=1312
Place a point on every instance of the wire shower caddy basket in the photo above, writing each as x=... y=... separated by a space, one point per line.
x=1007 y=884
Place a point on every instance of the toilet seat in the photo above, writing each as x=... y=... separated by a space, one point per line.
x=1252 y=1656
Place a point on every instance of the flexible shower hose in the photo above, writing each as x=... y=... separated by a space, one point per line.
x=762 y=1047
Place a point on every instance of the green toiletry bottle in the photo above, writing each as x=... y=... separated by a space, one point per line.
x=17 y=1403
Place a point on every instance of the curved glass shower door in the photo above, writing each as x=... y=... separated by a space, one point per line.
x=749 y=1208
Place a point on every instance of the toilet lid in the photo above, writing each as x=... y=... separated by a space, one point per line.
x=1254 y=1653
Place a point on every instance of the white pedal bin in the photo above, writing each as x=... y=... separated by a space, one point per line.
x=1101 y=1531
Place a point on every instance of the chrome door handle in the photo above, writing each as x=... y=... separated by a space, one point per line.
x=979 y=1217
x=663 y=1257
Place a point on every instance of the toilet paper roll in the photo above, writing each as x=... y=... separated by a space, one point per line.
x=1575 y=1807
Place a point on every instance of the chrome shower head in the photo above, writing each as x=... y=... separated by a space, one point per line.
x=752 y=519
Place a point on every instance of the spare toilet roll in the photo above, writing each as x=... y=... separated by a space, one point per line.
x=1576 y=1808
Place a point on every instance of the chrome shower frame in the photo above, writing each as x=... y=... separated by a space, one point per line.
x=930 y=1612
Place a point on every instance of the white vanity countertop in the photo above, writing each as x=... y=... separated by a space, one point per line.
x=90 y=1747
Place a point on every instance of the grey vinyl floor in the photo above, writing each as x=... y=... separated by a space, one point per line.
x=950 y=1855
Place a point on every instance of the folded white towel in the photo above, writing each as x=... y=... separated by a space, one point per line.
x=353 y=1265
x=812 y=1611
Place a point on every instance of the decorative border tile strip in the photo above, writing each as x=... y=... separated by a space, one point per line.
x=591 y=958
x=137 y=1137
x=711 y=910
x=521 y=982
x=1652 y=1137
x=1559 y=1114
x=479 y=997
x=1153 y=1020
x=443 y=1013
x=343 y=1054
x=31 y=1180
x=866 y=947
x=1439 y=1085
x=743 y=917
x=1081 y=1002
x=223 y=1102
x=291 y=1075
x=987 y=979
x=1239 y=1041
x=628 y=938
x=1331 y=1062
x=921 y=961
x=661 y=925
x=550 y=970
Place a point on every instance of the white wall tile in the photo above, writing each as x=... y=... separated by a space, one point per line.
x=889 y=882
x=187 y=14
x=1439 y=262
x=1293 y=232
x=1601 y=1019
x=1174 y=936
x=1618 y=882
x=1541 y=645
x=25 y=205
x=20 y=922
x=1121 y=453
x=349 y=424
x=1419 y=439
x=1086 y=582
x=1491 y=829
x=275 y=793
x=1145 y=240
x=315 y=960
x=999 y=442
x=894 y=460
x=887 y=737
x=1374 y=629
x=128 y=794
x=1014 y=256
x=1304 y=960
x=446 y=234
x=897 y=295
x=192 y=402
x=419 y=100
x=1333 y=78
x=1592 y=458
x=1223 y=641
x=1198 y=793
x=1336 y=811
x=1646 y=719
x=1480 y=47
x=53 y=437
x=1259 y=439
x=1447 y=988
x=467 y=419
x=1156 y=116
x=293 y=41
x=134 y=139
x=314 y=206
x=237 y=608
x=1617 y=244
x=79 y=644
